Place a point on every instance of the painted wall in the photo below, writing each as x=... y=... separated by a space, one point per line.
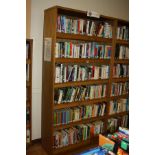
x=114 y=8
x=28 y=18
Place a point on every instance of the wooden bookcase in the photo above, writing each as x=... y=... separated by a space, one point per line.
x=51 y=36
x=29 y=50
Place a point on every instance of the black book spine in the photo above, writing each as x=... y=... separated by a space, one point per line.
x=117 y=51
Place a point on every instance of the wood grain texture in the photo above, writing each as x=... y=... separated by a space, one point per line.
x=82 y=37
x=79 y=103
x=121 y=61
x=79 y=83
x=47 y=82
x=82 y=60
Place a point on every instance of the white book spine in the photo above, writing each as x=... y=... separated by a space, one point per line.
x=87 y=27
x=65 y=70
x=61 y=71
x=75 y=73
x=60 y=96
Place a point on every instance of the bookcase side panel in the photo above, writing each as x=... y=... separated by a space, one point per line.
x=47 y=79
x=111 y=68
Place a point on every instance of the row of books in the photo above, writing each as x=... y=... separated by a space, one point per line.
x=77 y=133
x=121 y=88
x=121 y=52
x=120 y=70
x=27 y=135
x=27 y=72
x=114 y=123
x=80 y=93
x=118 y=106
x=123 y=33
x=74 y=49
x=27 y=115
x=65 y=116
x=66 y=73
x=84 y=27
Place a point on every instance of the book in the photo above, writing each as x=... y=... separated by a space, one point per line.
x=106 y=143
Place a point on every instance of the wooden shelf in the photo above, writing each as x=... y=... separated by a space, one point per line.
x=81 y=37
x=79 y=103
x=88 y=120
x=83 y=145
x=118 y=114
x=123 y=79
x=123 y=42
x=82 y=60
x=121 y=61
x=78 y=83
x=118 y=97
x=28 y=61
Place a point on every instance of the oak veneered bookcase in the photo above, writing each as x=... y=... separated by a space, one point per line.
x=29 y=50
x=51 y=37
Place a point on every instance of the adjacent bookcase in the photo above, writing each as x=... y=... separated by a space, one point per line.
x=29 y=50
x=70 y=36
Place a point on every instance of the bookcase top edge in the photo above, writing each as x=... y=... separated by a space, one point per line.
x=85 y=12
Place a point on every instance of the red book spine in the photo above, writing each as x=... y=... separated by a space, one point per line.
x=79 y=26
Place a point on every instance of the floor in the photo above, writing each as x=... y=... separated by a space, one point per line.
x=35 y=149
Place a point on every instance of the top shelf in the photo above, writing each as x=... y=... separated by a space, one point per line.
x=61 y=35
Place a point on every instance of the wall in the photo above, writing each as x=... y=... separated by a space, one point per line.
x=28 y=18
x=114 y=8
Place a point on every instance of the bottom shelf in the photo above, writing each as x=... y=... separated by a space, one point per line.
x=81 y=146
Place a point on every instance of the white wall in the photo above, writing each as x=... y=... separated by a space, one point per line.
x=113 y=8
